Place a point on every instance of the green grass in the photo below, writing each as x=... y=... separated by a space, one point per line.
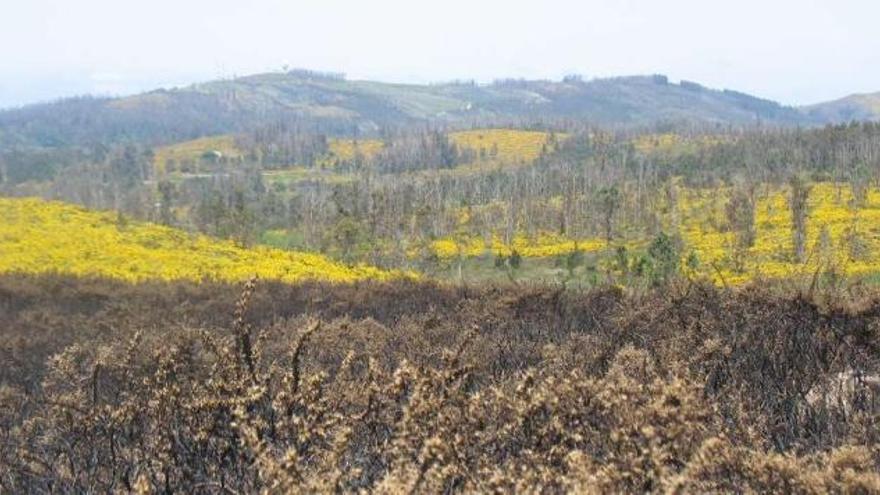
x=283 y=239
x=301 y=174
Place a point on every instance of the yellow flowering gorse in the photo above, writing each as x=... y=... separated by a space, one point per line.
x=834 y=224
x=37 y=236
x=510 y=146
x=346 y=149
x=669 y=144
x=841 y=237
x=540 y=246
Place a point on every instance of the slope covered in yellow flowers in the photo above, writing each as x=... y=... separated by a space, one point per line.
x=348 y=149
x=841 y=237
x=540 y=246
x=37 y=236
x=492 y=148
x=504 y=144
x=169 y=158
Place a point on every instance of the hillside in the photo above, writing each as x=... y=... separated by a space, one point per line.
x=848 y=109
x=336 y=105
x=38 y=236
x=841 y=238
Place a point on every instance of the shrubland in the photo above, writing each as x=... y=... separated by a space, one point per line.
x=705 y=327
x=37 y=236
x=569 y=202
x=418 y=387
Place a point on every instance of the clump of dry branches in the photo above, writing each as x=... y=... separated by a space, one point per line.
x=498 y=390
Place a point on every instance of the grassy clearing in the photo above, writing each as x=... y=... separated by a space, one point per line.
x=188 y=154
x=294 y=175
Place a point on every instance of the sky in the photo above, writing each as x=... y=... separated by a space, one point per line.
x=792 y=51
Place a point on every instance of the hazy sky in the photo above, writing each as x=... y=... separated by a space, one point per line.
x=794 y=51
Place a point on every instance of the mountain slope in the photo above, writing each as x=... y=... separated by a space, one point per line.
x=335 y=105
x=848 y=109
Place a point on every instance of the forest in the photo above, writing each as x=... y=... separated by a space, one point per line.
x=559 y=202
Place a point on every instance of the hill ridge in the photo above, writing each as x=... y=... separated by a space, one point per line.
x=335 y=105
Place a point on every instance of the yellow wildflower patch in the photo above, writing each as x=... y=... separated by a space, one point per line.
x=673 y=144
x=347 y=149
x=540 y=246
x=503 y=146
x=840 y=236
x=37 y=236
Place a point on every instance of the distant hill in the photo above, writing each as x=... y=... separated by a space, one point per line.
x=338 y=106
x=854 y=107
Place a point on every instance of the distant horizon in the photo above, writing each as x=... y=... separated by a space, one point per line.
x=796 y=52
x=137 y=87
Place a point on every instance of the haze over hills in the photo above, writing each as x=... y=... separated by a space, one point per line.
x=335 y=105
x=853 y=107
